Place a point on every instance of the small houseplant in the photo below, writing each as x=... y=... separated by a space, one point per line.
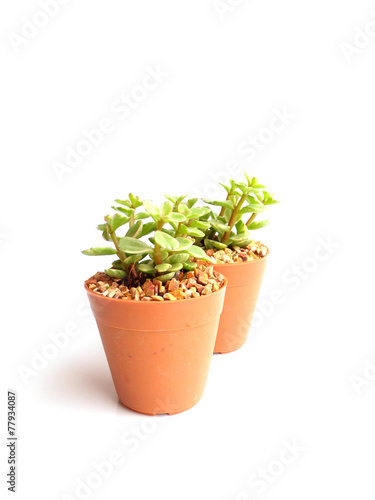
x=157 y=311
x=233 y=251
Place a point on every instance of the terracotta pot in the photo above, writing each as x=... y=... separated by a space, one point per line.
x=159 y=353
x=244 y=282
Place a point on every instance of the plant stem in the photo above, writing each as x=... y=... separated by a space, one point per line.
x=233 y=218
x=250 y=220
x=157 y=250
x=120 y=254
x=212 y=232
x=177 y=233
x=132 y=220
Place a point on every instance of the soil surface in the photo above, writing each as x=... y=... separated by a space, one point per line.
x=255 y=251
x=202 y=280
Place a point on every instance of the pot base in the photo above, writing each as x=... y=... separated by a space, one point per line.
x=153 y=414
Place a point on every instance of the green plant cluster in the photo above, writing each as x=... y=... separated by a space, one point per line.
x=178 y=231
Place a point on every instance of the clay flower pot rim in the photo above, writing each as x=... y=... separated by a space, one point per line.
x=155 y=302
x=243 y=263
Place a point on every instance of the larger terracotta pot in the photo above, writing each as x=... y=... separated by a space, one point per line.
x=159 y=353
x=244 y=282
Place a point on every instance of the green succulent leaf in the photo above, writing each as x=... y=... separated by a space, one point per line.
x=175 y=217
x=219 y=227
x=133 y=246
x=126 y=203
x=184 y=243
x=165 y=277
x=151 y=208
x=117 y=264
x=135 y=231
x=146 y=268
x=268 y=199
x=258 y=225
x=132 y=259
x=126 y=211
x=166 y=209
x=192 y=202
x=227 y=188
x=173 y=199
x=148 y=228
x=141 y=215
x=135 y=201
x=215 y=244
x=236 y=238
x=116 y=221
x=189 y=266
x=200 y=224
x=166 y=241
x=178 y=257
x=227 y=204
x=198 y=253
x=198 y=212
x=161 y=268
x=191 y=231
x=99 y=251
x=184 y=209
x=241 y=227
x=176 y=267
x=115 y=273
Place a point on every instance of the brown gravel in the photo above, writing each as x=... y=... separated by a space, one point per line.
x=254 y=251
x=202 y=281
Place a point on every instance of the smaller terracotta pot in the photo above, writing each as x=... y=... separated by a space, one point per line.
x=159 y=353
x=244 y=282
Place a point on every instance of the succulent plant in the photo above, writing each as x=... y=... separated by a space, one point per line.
x=174 y=227
x=235 y=221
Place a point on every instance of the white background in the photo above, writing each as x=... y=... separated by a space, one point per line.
x=298 y=376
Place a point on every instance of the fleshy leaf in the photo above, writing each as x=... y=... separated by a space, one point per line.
x=161 y=268
x=176 y=267
x=115 y=273
x=117 y=264
x=166 y=209
x=151 y=208
x=116 y=221
x=166 y=241
x=165 y=277
x=133 y=246
x=99 y=251
x=258 y=225
x=189 y=266
x=133 y=258
x=198 y=253
x=141 y=215
x=146 y=268
x=178 y=257
x=216 y=244
x=175 y=217
x=136 y=230
x=184 y=243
